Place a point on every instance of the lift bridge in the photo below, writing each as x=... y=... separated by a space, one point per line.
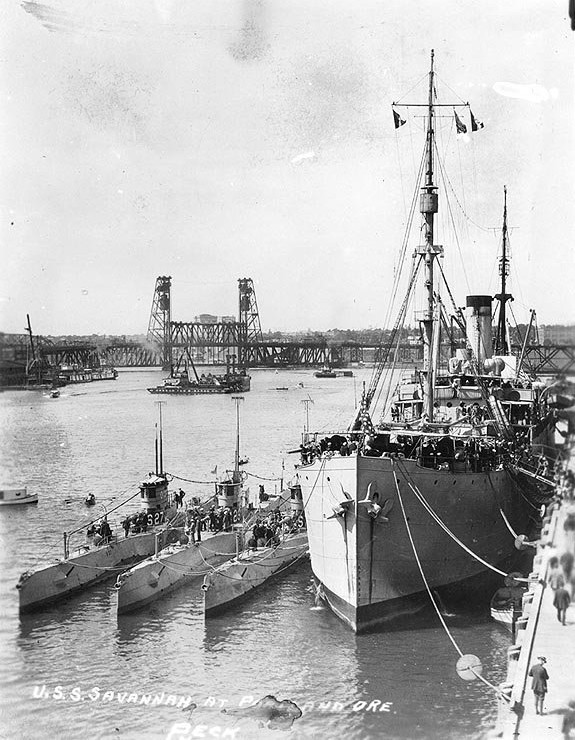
x=213 y=341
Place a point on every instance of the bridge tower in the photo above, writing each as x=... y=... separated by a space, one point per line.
x=250 y=329
x=160 y=316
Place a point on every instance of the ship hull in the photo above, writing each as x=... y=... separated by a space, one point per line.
x=171 y=569
x=191 y=391
x=367 y=567
x=239 y=578
x=72 y=575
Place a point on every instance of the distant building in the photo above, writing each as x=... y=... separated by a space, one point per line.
x=207 y=318
x=228 y=319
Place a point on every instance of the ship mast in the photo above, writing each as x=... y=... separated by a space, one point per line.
x=501 y=344
x=428 y=206
x=238 y=400
x=159 y=442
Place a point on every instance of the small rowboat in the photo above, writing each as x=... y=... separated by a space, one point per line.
x=12 y=496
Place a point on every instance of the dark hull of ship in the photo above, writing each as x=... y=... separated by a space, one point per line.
x=367 y=568
x=191 y=390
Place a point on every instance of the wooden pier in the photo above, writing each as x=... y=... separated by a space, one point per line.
x=540 y=633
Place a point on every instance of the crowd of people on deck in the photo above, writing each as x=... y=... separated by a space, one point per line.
x=136 y=523
x=100 y=531
x=216 y=519
x=439 y=452
x=267 y=532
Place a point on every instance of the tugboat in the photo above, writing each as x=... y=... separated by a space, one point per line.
x=184 y=379
x=424 y=499
x=325 y=372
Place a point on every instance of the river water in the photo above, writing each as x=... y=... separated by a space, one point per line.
x=75 y=670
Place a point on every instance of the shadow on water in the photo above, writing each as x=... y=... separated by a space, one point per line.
x=75 y=609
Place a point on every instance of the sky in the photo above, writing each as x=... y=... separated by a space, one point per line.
x=214 y=140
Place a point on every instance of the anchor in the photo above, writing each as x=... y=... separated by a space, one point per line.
x=371 y=502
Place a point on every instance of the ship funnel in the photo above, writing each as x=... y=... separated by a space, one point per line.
x=478 y=326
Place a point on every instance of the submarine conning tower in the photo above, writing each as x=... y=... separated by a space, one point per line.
x=478 y=325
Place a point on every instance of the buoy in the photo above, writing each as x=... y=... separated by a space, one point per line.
x=468 y=667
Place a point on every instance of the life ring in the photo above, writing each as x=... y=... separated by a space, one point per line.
x=236 y=516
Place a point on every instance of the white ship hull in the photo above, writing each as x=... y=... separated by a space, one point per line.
x=250 y=570
x=367 y=568
x=171 y=569
x=17 y=496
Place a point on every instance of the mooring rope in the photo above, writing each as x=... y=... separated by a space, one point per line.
x=446 y=529
x=439 y=614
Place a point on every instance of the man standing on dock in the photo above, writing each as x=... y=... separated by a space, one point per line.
x=539 y=685
x=561 y=601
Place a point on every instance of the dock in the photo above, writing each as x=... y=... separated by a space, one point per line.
x=539 y=631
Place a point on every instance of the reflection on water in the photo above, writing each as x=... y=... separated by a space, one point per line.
x=400 y=683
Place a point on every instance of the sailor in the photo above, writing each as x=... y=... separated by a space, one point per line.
x=105 y=531
x=539 y=684
x=227 y=520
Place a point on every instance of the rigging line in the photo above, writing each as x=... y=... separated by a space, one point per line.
x=322 y=465
x=449 y=293
x=392 y=369
x=458 y=148
x=442 y=81
x=261 y=477
x=411 y=89
x=406 y=233
x=387 y=384
x=517 y=283
x=79 y=529
x=400 y=267
x=400 y=175
x=438 y=612
x=489 y=229
x=375 y=383
x=190 y=480
x=450 y=211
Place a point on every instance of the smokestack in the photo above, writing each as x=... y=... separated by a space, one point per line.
x=478 y=325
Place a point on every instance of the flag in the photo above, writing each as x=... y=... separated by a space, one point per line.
x=475 y=124
x=459 y=125
x=215 y=471
x=397 y=119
